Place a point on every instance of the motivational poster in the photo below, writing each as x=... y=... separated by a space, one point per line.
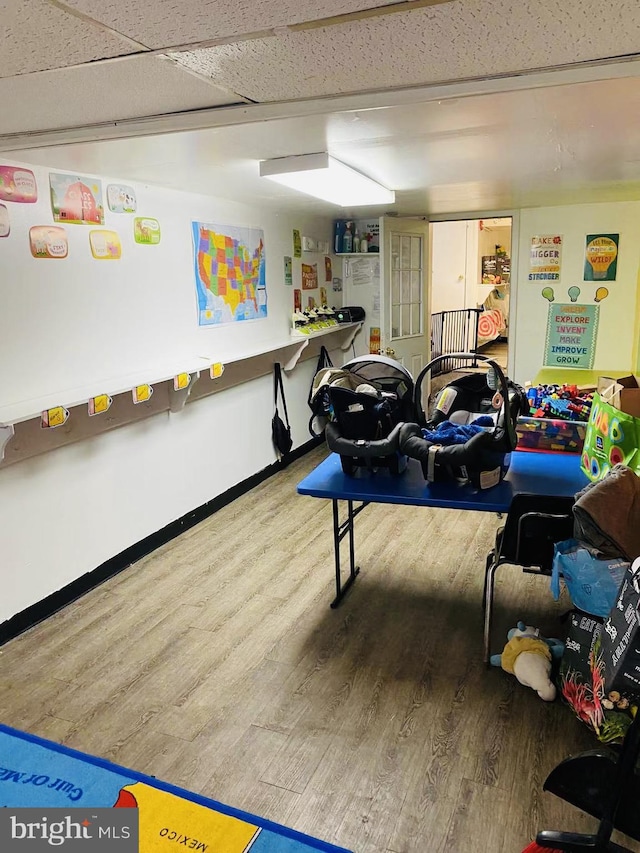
x=288 y=271
x=309 y=276
x=76 y=200
x=146 y=230
x=297 y=300
x=48 y=241
x=601 y=257
x=571 y=336
x=323 y=296
x=105 y=245
x=545 y=257
x=121 y=198
x=297 y=244
x=18 y=184
x=5 y=222
x=328 y=272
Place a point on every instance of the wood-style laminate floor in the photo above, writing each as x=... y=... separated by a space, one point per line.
x=216 y=663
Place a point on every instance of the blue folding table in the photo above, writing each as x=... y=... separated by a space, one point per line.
x=529 y=473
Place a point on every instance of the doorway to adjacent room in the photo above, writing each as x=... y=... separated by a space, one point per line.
x=470 y=282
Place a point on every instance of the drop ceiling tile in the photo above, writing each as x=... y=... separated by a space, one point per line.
x=474 y=38
x=107 y=91
x=179 y=22
x=36 y=36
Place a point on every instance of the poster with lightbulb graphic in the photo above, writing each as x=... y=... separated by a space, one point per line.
x=572 y=332
x=601 y=257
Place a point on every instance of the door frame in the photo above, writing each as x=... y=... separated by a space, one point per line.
x=515 y=253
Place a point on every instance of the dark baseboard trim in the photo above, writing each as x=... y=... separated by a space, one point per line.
x=76 y=589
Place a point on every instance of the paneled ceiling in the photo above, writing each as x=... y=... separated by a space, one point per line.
x=493 y=120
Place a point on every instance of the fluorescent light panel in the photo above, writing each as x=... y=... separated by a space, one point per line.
x=322 y=176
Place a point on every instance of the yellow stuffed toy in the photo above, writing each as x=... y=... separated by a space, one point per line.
x=529 y=657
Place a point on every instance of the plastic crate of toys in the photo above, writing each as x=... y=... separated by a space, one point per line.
x=557 y=420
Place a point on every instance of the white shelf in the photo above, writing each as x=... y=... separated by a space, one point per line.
x=294 y=344
x=25 y=410
x=348 y=331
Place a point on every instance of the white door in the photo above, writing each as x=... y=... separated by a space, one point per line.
x=405 y=327
x=448 y=266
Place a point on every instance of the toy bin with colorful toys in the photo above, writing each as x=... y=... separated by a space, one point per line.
x=557 y=420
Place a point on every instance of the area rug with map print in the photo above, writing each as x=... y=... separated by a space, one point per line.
x=39 y=774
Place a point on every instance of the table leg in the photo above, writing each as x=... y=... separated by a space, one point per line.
x=340 y=530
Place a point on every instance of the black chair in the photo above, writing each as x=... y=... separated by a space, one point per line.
x=603 y=785
x=534 y=524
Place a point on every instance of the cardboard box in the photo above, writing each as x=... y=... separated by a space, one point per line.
x=622 y=393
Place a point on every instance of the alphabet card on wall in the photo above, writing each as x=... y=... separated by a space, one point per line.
x=105 y=245
x=146 y=230
x=48 y=241
x=18 y=184
x=5 y=222
x=121 y=198
x=76 y=200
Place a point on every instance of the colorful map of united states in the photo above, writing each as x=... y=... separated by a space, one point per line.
x=230 y=273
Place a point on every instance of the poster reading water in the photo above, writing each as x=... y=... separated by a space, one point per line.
x=229 y=273
x=571 y=336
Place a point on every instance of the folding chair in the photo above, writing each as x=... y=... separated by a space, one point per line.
x=534 y=524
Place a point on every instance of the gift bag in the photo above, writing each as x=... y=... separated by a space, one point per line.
x=621 y=636
x=613 y=431
x=607 y=712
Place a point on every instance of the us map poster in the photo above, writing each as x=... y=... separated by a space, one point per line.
x=229 y=266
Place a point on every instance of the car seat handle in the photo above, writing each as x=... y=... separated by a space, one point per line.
x=465 y=356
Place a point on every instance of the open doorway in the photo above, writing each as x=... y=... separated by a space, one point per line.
x=470 y=283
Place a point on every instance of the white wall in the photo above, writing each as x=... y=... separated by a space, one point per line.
x=67 y=511
x=616 y=341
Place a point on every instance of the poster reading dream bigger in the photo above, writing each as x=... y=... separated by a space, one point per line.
x=571 y=336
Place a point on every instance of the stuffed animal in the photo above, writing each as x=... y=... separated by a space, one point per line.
x=529 y=656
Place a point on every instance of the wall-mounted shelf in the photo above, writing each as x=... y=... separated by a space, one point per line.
x=357 y=254
x=26 y=410
x=343 y=332
x=292 y=347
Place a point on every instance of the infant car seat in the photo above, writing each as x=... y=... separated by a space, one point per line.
x=365 y=403
x=478 y=412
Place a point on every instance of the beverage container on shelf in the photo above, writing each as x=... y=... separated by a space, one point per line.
x=347 y=239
